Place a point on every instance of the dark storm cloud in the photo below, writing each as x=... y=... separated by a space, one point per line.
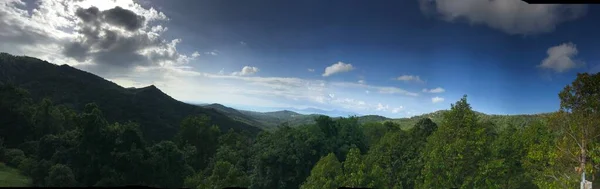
x=124 y=18
x=116 y=16
x=88 y=15
x=105 y=45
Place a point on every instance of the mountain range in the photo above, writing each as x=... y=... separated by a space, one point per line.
x=159 y=114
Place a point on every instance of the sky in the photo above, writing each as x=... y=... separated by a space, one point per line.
x=392 y=58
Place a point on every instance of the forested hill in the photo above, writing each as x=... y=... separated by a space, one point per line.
x=272 y=120
x=158 y=114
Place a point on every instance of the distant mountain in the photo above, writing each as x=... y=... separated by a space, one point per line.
x=271 y=120
x=157 y=113
x=332 y=113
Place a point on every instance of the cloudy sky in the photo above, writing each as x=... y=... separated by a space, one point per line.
x=392 y=58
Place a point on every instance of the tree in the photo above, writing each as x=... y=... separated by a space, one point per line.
x=355 y=170
x=325 y=174
x=224 y=174
x=169 y=168
x=47 y=119
x=423 y=129
x=455 y=150
x=15 y=108
x=196 y=131
x=60 y=176
x=503 y=166
x=578 y=121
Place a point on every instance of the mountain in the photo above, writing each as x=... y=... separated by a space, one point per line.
x=332 y=113
x=500 y=121
x=271 y=120
x=157 y=113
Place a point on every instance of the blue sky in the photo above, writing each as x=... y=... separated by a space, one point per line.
x=391 y=58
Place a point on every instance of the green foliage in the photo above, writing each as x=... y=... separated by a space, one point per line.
x=325 y=174
x=15 y=108
x=355 y=173
x=224 y=174
x=197 y=132
x=283 y=159
x=60 y=176
x=13 y=157
x=169 y=168
x=456 y=149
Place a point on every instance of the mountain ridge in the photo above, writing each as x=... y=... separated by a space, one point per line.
x=158 y=114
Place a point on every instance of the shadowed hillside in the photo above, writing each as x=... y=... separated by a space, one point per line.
x=157 y=113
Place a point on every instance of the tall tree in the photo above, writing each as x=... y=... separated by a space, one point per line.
x=197 y=131
x=325 y=174
x=60 y=176
x=455 y=150
x=355 y=170
x=578 y=120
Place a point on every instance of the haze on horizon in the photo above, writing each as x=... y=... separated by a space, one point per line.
x=395 y=60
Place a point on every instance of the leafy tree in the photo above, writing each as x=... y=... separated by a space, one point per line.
x=15 y=108
x=47 y=119
x=348 y=135
x=197 y=131
x=395 y=157
x=503 y=166
x=60 y=176
x=13 y=157
x=325 y=174
x=423 y=129
x=283 y=159
x=577 y=121
x=225 y=174
x=373 y=131
x=455 y=150
x=40 y=171
x=355 y=173
x=169 y=168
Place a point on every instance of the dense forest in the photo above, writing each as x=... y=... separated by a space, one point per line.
x=60 y=142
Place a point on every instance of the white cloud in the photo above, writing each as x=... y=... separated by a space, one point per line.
x=243 y=43
x=108 y=38
x=311 y=70
x=381 y=107
x=331 y=95
x=362 y=81
x=380 y=89
x=339 y=67
x=397 y=110
x=196 y=54
x=436 y=90
x=394 y=90
x=560 y=58
x=213 y=53
x=410 y=78
x=510 y=16
x=437 y=99
x=222 y=71
x=247 y=70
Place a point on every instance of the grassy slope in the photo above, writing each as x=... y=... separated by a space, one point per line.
x=10 y=177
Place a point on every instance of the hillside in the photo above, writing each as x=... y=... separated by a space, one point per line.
x=500 y=121
x=11 y=177
x=158 y=114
